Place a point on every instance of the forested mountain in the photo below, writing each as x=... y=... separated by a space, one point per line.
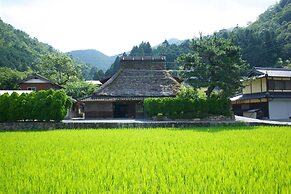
x=174 y=41
x=18 y=50
x=94 y=58
x=171 y=51
x=21 y=55
x=267 y=41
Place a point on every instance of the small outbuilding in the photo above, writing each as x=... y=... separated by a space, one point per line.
x=37 y=82
x=122 y=96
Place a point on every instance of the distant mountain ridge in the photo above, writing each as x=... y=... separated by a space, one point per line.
x=94 y=58
x=174 y=41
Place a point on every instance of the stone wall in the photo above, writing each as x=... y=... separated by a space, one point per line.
x=34 y=126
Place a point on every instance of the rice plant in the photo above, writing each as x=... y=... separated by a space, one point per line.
x=198 y=160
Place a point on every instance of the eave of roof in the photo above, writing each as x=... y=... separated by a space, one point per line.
x=261 y=95
x=94 y=98
x=270 y=72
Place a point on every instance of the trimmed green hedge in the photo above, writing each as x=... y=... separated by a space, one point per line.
x=185 y=108
x=41 y=106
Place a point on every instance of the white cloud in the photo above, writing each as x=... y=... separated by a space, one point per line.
x=114 y=26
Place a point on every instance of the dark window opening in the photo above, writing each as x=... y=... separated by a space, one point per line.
x=279 y=84
x=121 y=110
x=31 y=88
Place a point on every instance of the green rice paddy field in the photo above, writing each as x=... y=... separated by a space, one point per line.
x=198 y=160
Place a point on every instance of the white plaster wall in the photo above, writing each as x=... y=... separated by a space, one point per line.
x=280 y=109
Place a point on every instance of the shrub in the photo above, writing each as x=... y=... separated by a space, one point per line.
x=187 y=108
x=42 y=106
x=4 y=106
x=187 y=92
x=12 y=110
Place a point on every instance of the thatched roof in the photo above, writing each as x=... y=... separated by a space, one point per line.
x=138 y=77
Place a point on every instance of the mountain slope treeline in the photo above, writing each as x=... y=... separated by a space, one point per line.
x=18 y=50
x=21 y=55
x=266 y=42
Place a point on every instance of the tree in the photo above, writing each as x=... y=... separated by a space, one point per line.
x=187 y=92
x=9 y=78
x=114 y=67
x=144 y=49
x=18 y=50
x=213 y=63
x=98 y=75
x=59 y=68
x=80 y=89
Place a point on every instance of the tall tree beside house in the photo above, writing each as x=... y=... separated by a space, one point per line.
x=59 y=68
x=213 y=63
x=80 y=89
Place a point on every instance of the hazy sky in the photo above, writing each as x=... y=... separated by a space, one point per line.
x=114 y=26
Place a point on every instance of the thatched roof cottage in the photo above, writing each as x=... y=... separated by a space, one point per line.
x=123 y=94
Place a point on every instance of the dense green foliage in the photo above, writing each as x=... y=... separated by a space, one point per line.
x=172 y=52
x=188 y=92
x=197 y=160
x=266 y=42
x=58 y=68
x=18 y=50
x=114 y=67
x=144 y=49
x=41 y=106
x=80 y=89
x=92 y=73
x=213 y=63
x=21 y=55
x=188 y=108
x=9 y=78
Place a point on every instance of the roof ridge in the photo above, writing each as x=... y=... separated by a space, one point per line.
x=272 y=68
x=41 y=77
